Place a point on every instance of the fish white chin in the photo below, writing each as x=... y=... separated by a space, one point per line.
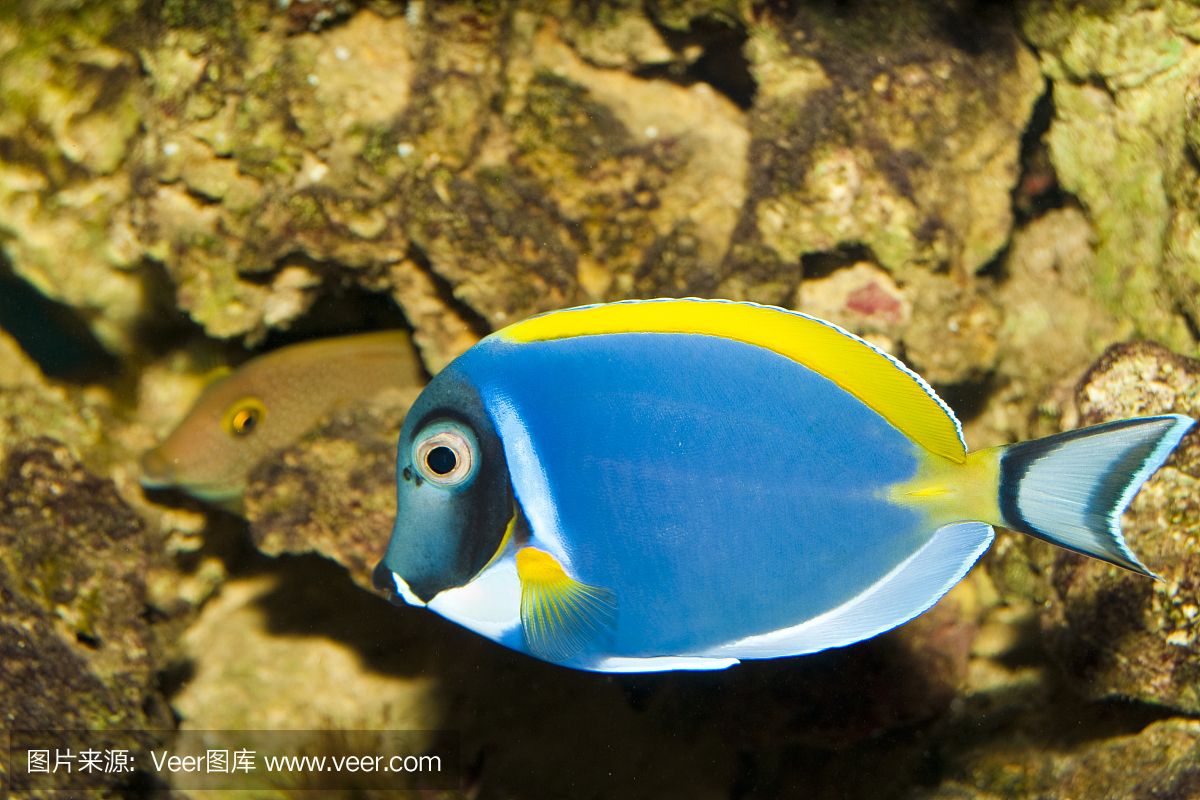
x=408 y=594
x=490 y=604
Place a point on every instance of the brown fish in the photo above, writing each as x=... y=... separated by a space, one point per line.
x=269 y=403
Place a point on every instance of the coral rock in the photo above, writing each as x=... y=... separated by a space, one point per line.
x=334 y=492
x=1120 y=633
x=76 y=651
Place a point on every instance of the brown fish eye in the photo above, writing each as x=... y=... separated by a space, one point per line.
x=244 y=417
x=445 y=457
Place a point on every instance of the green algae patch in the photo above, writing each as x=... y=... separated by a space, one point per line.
x=875 y=138
x=1119 y=74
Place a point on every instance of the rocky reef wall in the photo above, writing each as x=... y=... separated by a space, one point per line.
x=1003 y=196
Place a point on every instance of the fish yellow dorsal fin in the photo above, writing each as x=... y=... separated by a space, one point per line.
x=880 y=381
x=216 y=373
x=558 y=613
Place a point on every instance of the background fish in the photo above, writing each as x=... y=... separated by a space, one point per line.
x=680 y=484
x=270 y=402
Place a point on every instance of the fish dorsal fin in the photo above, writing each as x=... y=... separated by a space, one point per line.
x=908 y=590
x=880 y=381
x=216 y=375
x=559 y=615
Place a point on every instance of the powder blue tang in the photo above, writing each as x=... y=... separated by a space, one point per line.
x=680 y=484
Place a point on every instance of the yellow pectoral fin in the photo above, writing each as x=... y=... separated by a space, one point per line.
x=559 y=614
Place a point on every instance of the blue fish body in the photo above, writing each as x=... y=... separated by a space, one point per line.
x=686 y=493
x=744 y=480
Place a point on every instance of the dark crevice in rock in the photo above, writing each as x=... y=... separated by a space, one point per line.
x=722 y=65
x=53 y=334
x=969 y=399
x=1193 y=325
x=822 y=265
x=977 y=26
x=162 y=327
x=479 y=325
x=171 y=679
x=87 y=640
x=1037 y=190
x=200 y=197
x=342 y=308
x=996 y=269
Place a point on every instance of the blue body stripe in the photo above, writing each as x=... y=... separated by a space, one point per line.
x=719 y=489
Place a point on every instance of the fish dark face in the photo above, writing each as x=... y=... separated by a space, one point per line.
x=454 y=498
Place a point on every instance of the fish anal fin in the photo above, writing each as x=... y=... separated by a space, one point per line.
x=560 y=615
x=907 y=591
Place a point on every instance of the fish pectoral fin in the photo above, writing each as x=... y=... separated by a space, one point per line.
x=559 y=614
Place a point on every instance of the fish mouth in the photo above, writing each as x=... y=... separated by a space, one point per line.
x=161 y=471
x=213 y=493
x=394 y=587
x=157 y=470
x=154 y=482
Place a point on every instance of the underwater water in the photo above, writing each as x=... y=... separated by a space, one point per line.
x=1001 y=196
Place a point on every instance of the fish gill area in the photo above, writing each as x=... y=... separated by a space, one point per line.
x=1005 y=196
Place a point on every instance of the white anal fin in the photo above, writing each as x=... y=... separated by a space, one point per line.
x=659 y=664
x=905 y=592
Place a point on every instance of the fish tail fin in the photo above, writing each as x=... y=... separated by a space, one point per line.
x=1071 y=488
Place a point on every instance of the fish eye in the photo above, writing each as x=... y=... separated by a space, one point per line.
x=441 y=460
x=444 y=454
x=244 y=417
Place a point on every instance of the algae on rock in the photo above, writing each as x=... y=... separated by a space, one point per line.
x=334 y=492
x=76 y=650
x=1159 y=761
x=893 y=141
x=1118 y=632
x=889 y=133
x=482 y=164
x=68 y=121
x=1119 y=76
x=1050 y=303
